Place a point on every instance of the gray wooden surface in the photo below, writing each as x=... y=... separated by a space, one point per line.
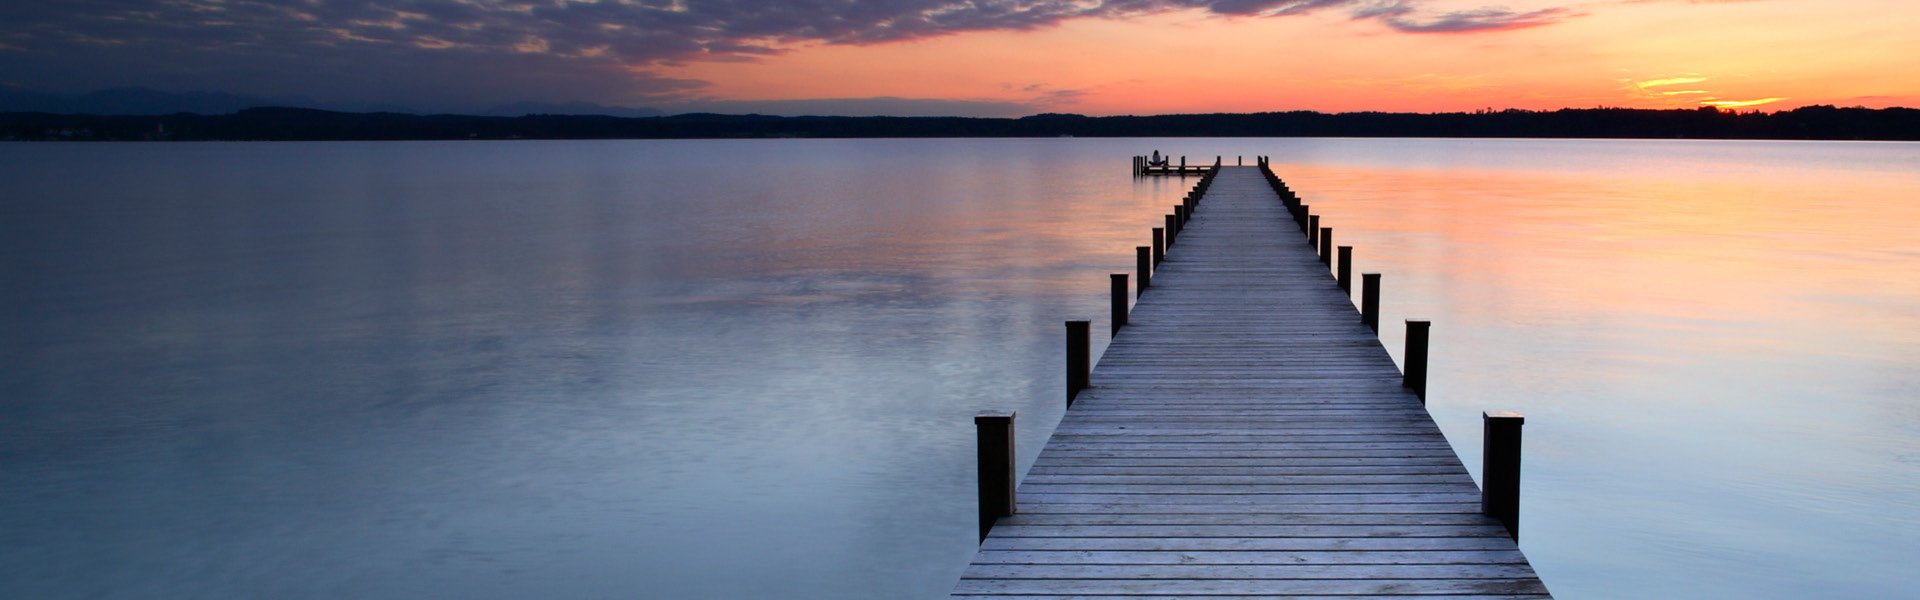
x=1246 y=436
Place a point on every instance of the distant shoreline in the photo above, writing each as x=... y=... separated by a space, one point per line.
x=297 y=124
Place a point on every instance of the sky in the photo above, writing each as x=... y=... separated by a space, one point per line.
x=982 y=57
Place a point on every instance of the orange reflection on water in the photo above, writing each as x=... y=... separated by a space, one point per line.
x=1671 y=245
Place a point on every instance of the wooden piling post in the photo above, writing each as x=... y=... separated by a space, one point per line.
x=1345 y=273
x=1313 y=231
x=1326 y=246
x=1180 y=214
x=1159 y=246
x=1079 y=358
x=1500 y=468
x=1300 y=214
x=1415 y=376
x=1370 y=300
x=1119 y=302
x=1143 y=262
x=1173 y=229
x=994 y=437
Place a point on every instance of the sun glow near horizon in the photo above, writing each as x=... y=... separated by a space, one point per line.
x=982 y=58
x=1646 y=54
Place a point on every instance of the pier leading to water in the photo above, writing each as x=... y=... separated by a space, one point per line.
x=1246 y=434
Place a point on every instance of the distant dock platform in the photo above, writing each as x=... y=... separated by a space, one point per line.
x=1144 y=166
x=1246 y=434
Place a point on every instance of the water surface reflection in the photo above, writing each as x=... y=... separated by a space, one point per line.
x=717 y=369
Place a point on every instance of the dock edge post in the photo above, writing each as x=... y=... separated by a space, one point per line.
x=1326 y=246
x=1344 y=274
x=1416 y=372
x=1500 y=468
x=1159 y=245
x=1143 y=262
x=994 y=435
x=1119 y=302
x=1370 y=301
x=1079 y=361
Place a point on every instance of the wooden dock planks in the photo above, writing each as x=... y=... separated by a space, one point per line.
x=1246 y=436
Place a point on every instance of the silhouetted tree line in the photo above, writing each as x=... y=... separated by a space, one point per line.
x=1806 y=123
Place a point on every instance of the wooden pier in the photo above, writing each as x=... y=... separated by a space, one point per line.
x=1246 y=434
x=1144 y=167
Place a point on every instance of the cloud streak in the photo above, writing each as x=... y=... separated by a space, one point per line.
x=1739 y=103
x=1406 y=17
x=1652 y=88
x=1654 y=83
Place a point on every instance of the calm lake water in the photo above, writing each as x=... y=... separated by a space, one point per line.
x=731 y=369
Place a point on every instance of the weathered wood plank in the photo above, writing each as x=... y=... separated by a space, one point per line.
x=1356 y=489
x=1001 y=596
x=1190 y=479
x=1089 y=459
x=1298 y=557
x=1294 y=571
x=1129 y=506
x=1245 y=519
x=1400 y=544
x=1219 y=587
x=1250 y=531
x=1057 y=468
x=1206 y=452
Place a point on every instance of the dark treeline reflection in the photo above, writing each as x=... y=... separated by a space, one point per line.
x=1805 y=123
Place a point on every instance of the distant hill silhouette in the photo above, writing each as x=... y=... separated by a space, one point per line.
x=568 y=108
x=136 y=101
x=144 y=101
x=1806 y=123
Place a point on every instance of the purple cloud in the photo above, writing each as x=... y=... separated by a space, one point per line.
x=1403 y=16
x=455 y=54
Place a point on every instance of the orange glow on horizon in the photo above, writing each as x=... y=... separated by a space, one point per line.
x=1739 y=103
x=1638 y=55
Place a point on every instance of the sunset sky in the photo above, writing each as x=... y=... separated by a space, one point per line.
x=983 y=58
